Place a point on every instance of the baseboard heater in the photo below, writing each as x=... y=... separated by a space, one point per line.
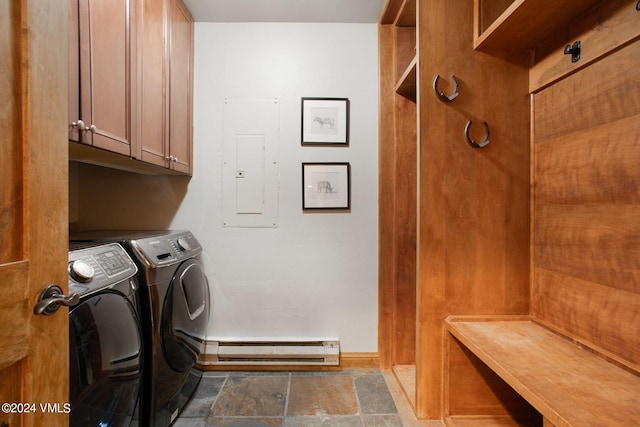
x=273 y=352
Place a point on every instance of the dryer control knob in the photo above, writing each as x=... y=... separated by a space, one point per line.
x=183 y=244
x=81 y=271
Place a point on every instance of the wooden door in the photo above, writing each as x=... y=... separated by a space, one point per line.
x=33 y=210
x=180 y=87
x=106 y=92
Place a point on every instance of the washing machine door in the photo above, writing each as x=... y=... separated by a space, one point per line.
x=185 y=316
x=105 y=361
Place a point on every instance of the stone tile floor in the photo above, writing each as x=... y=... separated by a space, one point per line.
x=358 y=398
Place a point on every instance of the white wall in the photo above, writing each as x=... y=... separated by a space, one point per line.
x=316 y=273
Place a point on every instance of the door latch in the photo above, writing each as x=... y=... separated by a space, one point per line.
x=573 y=50
x=51 y=298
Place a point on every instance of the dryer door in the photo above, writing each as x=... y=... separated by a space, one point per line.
x=105 y=361
x=185 y=316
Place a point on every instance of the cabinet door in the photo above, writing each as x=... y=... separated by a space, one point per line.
x=152 y=80
x=180 y=87
x=105 y=83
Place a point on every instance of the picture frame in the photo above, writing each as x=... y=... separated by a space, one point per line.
x=325 y=121
x=326 y=186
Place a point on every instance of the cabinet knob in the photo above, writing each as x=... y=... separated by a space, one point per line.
x=80 y=125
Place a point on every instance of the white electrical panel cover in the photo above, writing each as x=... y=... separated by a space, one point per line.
x=249 y=164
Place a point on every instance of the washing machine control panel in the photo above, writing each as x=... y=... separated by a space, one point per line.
x=167 y=249
x=94 y=268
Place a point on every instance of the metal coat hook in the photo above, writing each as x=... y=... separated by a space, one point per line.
x=471 y=142
x=441 y=96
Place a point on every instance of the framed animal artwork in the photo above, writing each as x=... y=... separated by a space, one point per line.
x=326 y=186
x=325 y=121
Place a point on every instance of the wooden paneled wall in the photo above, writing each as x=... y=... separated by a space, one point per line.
x=544 y=220
x=473 y=217
x=397 y=199
x=586 y=200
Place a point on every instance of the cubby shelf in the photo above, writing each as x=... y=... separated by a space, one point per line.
x=525 y=24
x=407 y=15
x=406 y=85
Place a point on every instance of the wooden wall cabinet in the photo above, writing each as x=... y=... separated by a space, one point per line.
x=102 y=92
x=180 y=87
x=165 y=77
x=130 y=92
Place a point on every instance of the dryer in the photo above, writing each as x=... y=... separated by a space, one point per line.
x=105 y=337
x=174 y=307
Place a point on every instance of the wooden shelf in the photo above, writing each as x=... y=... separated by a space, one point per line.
x=406 y=85
x=407 y=15
x=480 y=421
x=567 y=384
x=525 y=24
x=406 y=376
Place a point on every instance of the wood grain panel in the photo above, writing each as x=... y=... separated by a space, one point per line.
x=10 y=392
x=598 y=243
x=405 y=233
x=568 y=385
x=599 y=94
x=432 y=235
x=14 y=314
x=151 y=145
x=477 y=390
x=105 y=54
x=386 y=196
x=47 y=204
x=397 y=199
x=609 y=25
x=181 y=87
x=594 y=165
x=407 y=15
x=405 y=49
x=473 y=240
x=10 y=130
x=586 y=193
x=488 y=11
x=390 y=11
x=603 y=318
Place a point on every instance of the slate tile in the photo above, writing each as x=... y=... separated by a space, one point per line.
x=322 y=395
x=374 y=396
x=324 y=421
x=252 y=396
x=202 y=400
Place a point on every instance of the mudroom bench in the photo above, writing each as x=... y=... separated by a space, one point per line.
x=567 y=385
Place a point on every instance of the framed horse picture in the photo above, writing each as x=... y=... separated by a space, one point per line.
x=325 y=121
x=326 y=186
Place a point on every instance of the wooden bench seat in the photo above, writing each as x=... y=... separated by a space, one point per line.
x=568 y=385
